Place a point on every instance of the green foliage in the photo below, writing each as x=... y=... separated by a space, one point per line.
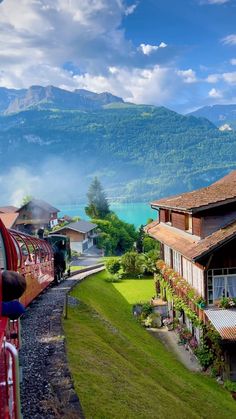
x=132 y=263
x=60 y=225
x=149 y=262
x=150 y=244
x=27 y=199
x=230 y=385
x=204 y=355
x=113 y=265
x=145 y=158
x=139 y=242
x=101 y=331
x=116 y=236
x=98 y=206
x=146 y=309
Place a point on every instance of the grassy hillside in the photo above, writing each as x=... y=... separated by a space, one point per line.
x=120 y=371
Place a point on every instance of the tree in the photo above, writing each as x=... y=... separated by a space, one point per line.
x=139 y=242
x=98 y=206
x=26 y=199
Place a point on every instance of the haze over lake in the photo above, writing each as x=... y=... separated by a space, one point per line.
x=134 y=213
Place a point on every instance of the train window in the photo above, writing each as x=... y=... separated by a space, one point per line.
x=3 y=261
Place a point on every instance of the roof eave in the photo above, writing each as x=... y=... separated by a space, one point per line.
x=193 y=209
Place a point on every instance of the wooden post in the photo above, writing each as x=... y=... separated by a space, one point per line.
x=66 y=307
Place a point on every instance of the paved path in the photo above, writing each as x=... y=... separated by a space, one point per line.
x=47 y=390
x=170 y=340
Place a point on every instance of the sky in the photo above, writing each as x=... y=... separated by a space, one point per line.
x=175 y=53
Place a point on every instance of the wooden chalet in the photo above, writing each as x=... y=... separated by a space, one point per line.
x=36 y=214
x=197 y=233
x=82 y=234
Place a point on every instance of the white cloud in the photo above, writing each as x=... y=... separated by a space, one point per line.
x=229 y=39
x=217 y=1
x=233 y=61
x=214 y=93
x=130 y=9
x=188 y=76
x=49 y=33
x=147 y=49
x=229 y=77
x=213 y=78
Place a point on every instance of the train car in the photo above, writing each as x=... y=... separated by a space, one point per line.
x=33 y=258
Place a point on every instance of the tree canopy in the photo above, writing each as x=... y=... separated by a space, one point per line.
x=98 y=206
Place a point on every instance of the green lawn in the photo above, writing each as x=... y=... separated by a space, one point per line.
x=120 y=371
x=76 y=268
x=136 y=290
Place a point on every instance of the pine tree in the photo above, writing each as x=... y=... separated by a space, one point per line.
x=98 y=206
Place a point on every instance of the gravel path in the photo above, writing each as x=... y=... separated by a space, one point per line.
x=47 y=389
x=170 y=340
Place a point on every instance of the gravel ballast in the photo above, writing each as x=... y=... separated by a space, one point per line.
x=47 y=388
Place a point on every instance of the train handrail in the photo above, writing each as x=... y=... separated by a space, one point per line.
x=15 y=379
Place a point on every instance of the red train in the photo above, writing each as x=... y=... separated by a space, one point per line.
x=34 y=259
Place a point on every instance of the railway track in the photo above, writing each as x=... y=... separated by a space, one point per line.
x=47 y=390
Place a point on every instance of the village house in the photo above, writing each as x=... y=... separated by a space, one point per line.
x=36 y=214
x=82 y=234
x=8 y=215
x=197 y=235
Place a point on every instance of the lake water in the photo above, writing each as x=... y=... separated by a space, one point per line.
x=134 y=213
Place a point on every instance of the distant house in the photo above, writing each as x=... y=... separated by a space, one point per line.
x=8 y=209
x=9 y=219
x=197 y=235
x=36 y=214
x=82 y=234
x=8 y=215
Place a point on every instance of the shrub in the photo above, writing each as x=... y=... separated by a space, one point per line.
x=204 y=356
x=113 y=265
x=230 y=385
x=146 y=309
x=132 y=263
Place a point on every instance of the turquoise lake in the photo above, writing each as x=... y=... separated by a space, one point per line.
x=135 y=213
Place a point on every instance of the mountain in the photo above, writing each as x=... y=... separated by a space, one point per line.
x=50 y=97
x=220 y=115
x=139 y=152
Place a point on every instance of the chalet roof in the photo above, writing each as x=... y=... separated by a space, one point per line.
x=41 y=204
x=9 y=219
x=224 y=322
x=222 y=191
x=81 y=226
x=7 y=209
x=188 y=245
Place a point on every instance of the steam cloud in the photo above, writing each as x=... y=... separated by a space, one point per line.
x=55 y=181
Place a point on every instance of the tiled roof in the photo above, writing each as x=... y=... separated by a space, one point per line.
x=178 y=240
x=41 y=204
x=190 y=246
x=224 y=322
x=221 y=191
x=80 y=226
x=7 y=209
x=9 y=219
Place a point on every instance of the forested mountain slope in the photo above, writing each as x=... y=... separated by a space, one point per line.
x=139 y=152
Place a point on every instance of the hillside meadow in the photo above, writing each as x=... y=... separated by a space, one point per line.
x=120 y=371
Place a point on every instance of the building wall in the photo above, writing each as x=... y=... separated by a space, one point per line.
x=73 y=235
x=178 y=220
x=197 y=226
x=193 y=274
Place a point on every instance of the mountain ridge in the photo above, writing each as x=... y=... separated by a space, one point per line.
x=51 y=97
x=218 y=114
